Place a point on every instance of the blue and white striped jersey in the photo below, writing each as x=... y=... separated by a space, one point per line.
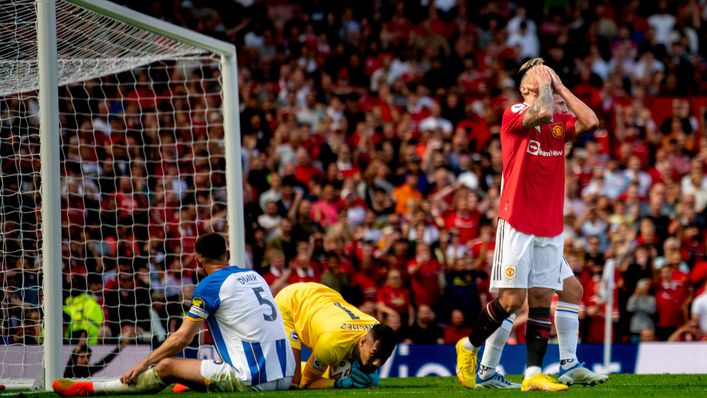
x=245 y=323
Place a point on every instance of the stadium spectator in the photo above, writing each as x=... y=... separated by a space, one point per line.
x=84 y=312
x=671 y=296
x=80 y=366
x=270 y=220
x=407 y=195
x=426 y=330
x=425 y=272
x=129 y=304
x=302 y=269
x=395 y=298
x=393 y=321
x=277 y=275
x=642 y=305
x=457 y=328
x=363 y=112
x=689 y=332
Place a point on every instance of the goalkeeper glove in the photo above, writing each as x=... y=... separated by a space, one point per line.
x=343 y=382
x=358 y=378
x=367 y=380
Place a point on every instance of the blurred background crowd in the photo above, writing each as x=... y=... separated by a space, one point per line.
x=372 y=164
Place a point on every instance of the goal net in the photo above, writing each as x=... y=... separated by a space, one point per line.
x=143 y=173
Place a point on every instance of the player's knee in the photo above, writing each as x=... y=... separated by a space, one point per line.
x=540 y=297
x=512 y=300
x=164 y=367
x=572 y=291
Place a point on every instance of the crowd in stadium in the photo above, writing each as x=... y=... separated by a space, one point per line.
x=372 y=164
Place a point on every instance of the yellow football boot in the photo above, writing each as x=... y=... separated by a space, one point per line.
x=466 y=365
x=542 y=382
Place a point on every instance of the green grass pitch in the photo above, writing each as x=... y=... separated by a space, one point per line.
x=620 y=385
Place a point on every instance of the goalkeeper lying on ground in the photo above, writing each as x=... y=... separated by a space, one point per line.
x=348 y=343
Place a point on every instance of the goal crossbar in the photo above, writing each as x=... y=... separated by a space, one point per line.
x=154 y=25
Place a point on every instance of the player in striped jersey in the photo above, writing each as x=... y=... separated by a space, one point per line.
x=246 y=327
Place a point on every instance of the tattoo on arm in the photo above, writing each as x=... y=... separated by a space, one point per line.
x=544 y=105
x=546 y=99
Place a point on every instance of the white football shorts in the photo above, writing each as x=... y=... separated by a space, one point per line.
x=222 y=377
x=566 y=270
x=523 y=261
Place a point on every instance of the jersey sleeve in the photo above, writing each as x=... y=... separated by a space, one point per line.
x=568 y=121
x=328 y=351
x=205 y=300
x=325 y=353
x=512 y=122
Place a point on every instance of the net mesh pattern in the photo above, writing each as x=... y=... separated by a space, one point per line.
x=88 y=45
x=142 y=175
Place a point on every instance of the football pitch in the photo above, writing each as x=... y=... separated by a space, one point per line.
x=620 y=385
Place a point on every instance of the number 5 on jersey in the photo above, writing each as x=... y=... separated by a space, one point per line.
x=263 y=301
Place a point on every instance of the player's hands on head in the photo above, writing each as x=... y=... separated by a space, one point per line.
x=556 y=81
x=541 y=74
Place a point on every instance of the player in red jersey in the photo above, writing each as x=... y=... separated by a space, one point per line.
x=566 y=323
x=529 y=245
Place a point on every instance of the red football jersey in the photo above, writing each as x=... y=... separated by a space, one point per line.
x=533 y=191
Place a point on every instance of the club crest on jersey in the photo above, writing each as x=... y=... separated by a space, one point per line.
x=294 y=336
x=558 y=130
x=510 y=272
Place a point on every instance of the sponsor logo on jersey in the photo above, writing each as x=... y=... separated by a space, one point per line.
x=510 y=272
x=558 y=130
x=294 y=336
x=534 y=148
x=518 y=107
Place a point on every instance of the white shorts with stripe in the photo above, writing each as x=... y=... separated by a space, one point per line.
x=523 y=261
x=222 y=377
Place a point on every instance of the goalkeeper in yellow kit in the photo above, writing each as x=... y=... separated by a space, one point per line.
x=336 y=332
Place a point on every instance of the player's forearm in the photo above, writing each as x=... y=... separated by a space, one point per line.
x=319 y=384
x=545 y=103
x=586 y=117
x=542 y=109
x=174 y=344
x=310 y=378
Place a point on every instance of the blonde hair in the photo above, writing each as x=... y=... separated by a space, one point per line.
x=527 y=65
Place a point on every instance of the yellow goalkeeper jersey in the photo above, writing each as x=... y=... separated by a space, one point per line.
x=319 y=318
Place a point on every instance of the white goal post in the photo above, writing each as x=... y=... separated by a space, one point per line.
x=58 y=65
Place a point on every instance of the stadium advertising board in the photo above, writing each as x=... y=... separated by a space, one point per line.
x=425 y=360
